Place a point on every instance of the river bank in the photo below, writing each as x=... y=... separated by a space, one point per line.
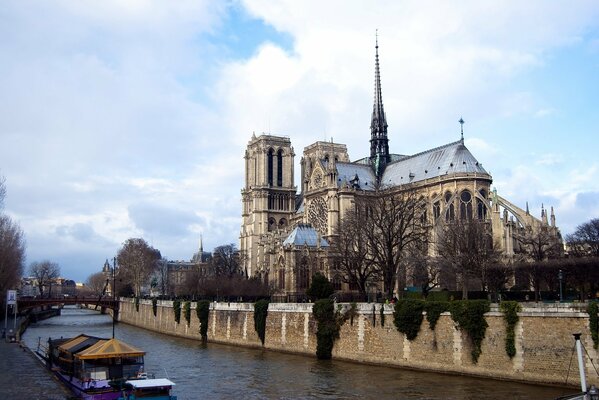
x=216 y=371
x=543 y=338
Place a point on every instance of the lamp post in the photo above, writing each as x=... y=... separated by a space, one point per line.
x=560 y=276
x=113 y=293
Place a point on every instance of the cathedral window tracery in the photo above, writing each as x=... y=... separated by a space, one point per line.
x=466 y=205
x=317 y=215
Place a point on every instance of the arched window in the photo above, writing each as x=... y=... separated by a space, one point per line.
x=481 y=210
x=436 y=210
x=303 y=274
x=336 y=282
x=282 y=278
x=270 y=166
x=280 y=168
x=450 y=213
x=271 y=223
x=466 y=205
x=282 y=223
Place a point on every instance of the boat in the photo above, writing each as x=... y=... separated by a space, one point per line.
x=104 y=369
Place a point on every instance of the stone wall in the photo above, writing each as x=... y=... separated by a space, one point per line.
x=544 y=341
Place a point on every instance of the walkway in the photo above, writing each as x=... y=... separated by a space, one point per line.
x=22 y=376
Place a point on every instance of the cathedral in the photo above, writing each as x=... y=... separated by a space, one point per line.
x=285 y=236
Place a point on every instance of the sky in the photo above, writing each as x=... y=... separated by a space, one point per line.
x=123 y=119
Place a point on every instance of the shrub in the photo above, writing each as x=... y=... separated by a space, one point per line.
x=203 y=311
x=592 y=309
x=434 y=309
x=260 y=314
x=510 y=315
x=154 y=305
x=320 y=288
x=470 y=317
x=187 y=312
x=177 y=310
x=408 y=317
x=327 y=327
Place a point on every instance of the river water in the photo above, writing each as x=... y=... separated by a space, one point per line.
x=228 y=372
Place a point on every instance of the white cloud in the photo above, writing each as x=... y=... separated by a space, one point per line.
x=121 y=109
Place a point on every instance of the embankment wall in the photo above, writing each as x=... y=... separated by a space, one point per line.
x=544 y=341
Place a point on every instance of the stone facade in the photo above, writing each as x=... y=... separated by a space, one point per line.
x=544 y=341
x=451 y=182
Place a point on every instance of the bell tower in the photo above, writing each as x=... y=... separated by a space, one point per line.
x=268 y=197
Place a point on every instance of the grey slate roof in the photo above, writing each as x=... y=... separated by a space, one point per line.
x=304 y=234
x=449 y=159
x=347 y=171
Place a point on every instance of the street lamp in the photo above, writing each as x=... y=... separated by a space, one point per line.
x=560 y=276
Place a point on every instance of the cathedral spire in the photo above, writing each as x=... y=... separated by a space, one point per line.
x=379 y=143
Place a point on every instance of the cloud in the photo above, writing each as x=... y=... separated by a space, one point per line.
x=123 y=119
x=158 y=220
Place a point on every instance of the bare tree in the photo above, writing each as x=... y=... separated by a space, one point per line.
x=466 y=245
x=44 y=273
x=137 y=261
x=538 y=244
x=97 y=283
x=422 y=269
x=393 y=223
x=585 y=239
x=351 y=256
x=225 y=261
x=2 y=191
x=12 y=256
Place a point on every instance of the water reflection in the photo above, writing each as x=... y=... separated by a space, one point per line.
x=224 y=372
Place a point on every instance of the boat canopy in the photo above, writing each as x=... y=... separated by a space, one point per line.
x=111 y=348
x=77 y=343
x=150 y=383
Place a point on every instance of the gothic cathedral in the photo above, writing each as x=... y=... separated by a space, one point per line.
x=285 y=236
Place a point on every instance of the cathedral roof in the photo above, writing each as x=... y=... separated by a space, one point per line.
x=347 y=172
x=449 y=159
x=305 y=235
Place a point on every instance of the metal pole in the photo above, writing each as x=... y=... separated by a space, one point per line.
x=113 y=293
x=583 y=379
x=15 y=323
x=6 y=317
x=560 y=275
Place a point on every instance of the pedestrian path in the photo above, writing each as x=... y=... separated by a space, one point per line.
x=22 y=376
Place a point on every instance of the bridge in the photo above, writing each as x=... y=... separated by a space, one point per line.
x=24 y=304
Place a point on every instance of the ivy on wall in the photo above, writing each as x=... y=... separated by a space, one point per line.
x=407 y=317
x=187 y=312
x=154 y=305
x=203 y=311
x=469 y=315
x=260 y=314
x=328 y=326
x=177 y=310
x=434 y=309
x=510 y=311
x=137 y=304
x=592 y=310
x=382 y=311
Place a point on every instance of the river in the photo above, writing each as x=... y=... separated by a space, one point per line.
x=226 y=372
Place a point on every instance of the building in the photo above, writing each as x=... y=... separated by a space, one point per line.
x=285 y=235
